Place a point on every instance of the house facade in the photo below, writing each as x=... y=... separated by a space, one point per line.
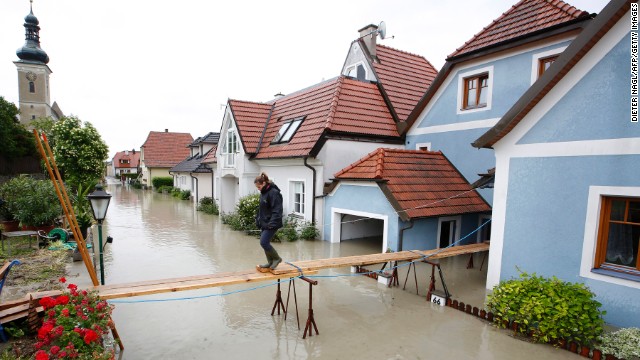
x=403 y=198
x=484 y=77
x=301 y=140
x=192 y=173
x=567 y=180
x=160 y=152
x=126 y=162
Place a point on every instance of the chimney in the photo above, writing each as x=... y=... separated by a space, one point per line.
x=368 y=35
x=133 y=151
x=126 y=153
x=166 y=130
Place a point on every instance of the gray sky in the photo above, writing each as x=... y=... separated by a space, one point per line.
x=130 y=67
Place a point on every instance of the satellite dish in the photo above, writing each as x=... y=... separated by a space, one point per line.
x=382 y=30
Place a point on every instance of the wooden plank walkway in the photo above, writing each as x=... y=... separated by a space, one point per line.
x=18 y=308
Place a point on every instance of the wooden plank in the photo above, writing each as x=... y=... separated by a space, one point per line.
x=182 y=284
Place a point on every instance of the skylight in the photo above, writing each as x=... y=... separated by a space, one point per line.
x=287 y=130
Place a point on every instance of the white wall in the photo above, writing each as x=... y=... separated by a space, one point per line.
x=338 y=154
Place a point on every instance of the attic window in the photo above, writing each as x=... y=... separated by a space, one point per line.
x=287 y=130
x=475 y=91
x=544 y=63
x=357 y=71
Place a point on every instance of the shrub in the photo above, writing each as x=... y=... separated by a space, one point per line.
x=176 y=192
x=550 y=308
x=137 y=185
x=288 y=231
x=244 y=218
x=309 y=231
x=208 y=206
x=158 y=181
x=30 y=201
x=74 y=325
x=164 y=188
x=623 y=344
x=185 y=194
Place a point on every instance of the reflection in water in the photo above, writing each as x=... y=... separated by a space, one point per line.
x=158 y=236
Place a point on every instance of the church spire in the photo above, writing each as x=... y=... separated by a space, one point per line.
x=31 y=50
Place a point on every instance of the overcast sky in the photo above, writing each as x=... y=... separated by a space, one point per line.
x=130 y=67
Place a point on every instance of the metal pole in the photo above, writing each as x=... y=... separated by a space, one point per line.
x=100 y=246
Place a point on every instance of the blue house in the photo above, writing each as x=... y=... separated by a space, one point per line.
x=403 y=197
x=484 y=77
x=567 y=177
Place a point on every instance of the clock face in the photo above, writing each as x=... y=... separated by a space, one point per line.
x=31 y=76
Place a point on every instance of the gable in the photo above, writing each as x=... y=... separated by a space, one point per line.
x=596 y=107
x=356 y=57
x=166 y=149
x=250 y=118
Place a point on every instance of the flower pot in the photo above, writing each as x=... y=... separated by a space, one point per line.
x=10 y=225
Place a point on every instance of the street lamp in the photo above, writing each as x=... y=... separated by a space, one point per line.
x=99 y=200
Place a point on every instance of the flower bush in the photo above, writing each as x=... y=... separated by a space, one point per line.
x=74 y=325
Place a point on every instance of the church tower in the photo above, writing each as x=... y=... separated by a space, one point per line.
x=33 y=75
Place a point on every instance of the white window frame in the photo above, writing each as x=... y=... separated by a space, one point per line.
x=458 y=220
x=229 y=155
x=355 y=67
x=292 y=200
x=535 y=60
x=424 y=145
x=590 y=241
x=461 y=80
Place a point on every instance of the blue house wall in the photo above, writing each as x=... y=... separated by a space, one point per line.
x=547 y=213
x=511 y=78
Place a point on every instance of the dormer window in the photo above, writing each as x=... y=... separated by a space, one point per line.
x=287 y=130
x=357 y=71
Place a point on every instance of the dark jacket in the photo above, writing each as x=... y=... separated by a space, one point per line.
x=270 y=211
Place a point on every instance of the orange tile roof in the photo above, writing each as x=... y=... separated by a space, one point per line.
x=340 y=106
x=405 y=77
x=166 y=149
x=525 y=17
x=133 y=157
x=420 y=183
x=250 y=118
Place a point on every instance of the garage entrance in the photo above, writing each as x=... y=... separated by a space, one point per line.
x=355 y=225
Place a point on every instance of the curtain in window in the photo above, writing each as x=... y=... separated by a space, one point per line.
x=620 y=245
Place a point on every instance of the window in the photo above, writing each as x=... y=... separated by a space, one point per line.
x=357 y=71
x=298 y=196
x=619 y=235
x=231 y=142
x=475 y=91
x=32 y=87
x=287 y=130
x=544 y=63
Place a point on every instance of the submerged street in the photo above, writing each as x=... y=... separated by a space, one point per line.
x=158 y=236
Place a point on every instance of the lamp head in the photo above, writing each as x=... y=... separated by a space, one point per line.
x=99 y=200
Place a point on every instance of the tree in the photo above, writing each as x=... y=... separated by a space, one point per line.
x=79 y=151
x=16 y=140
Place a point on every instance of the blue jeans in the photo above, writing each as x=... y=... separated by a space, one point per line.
x=265 y=239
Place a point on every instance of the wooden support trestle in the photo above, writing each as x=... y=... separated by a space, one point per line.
x=278 y=304
x=310 y=319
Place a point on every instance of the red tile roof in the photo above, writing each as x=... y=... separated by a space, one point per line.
x=341 y=105
x=133 y=157
x=420 y=183
x=166 y=149
x=525 y=17
x=250 y=118
x=405 y=77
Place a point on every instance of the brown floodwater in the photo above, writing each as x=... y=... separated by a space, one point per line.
x=157 y=236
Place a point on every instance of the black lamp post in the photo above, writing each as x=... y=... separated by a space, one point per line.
x=99 y=200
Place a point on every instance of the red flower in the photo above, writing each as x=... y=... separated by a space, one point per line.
x=41 y=355
x=63 y=354
x=72 y=287
x=43 y=332
x=62 y=280
x=62 y=300
x=65 y=312
x=54 y=349
x=90 y=336
x=47 y=302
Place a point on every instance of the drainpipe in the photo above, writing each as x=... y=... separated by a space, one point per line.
x=196 y=179
x=313 y=190
x=401 y=237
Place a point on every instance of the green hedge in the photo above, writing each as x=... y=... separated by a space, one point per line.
x=547 y=308
x=208 y=206
x=158 y=181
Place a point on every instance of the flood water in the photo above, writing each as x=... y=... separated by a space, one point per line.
x=158 y=236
